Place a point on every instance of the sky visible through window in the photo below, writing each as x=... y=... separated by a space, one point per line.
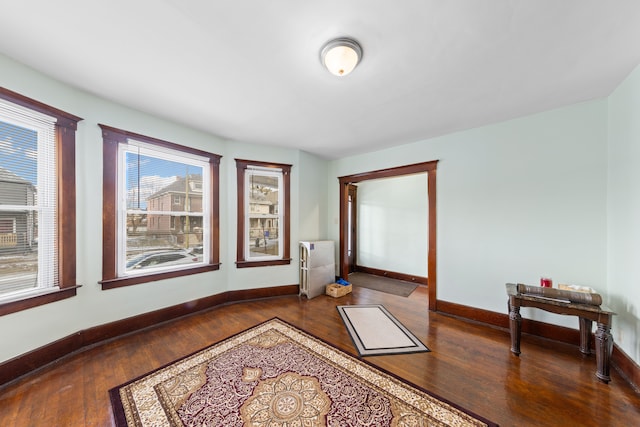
x=18 y=151
x=147 y=175
x=18 y=168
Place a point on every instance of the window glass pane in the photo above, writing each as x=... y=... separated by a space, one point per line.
x=164 y=211
x=18 y=210
x=264 y=234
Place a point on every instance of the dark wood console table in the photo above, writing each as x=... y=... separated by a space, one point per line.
x=586 y=306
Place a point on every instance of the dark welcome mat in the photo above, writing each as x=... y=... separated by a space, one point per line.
x=382 y=284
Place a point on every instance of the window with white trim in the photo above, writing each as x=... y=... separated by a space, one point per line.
x=28 y=255
x=165 y=215
x=263 y=213
x=263 y=223
x=37 y=203
x=153 y=235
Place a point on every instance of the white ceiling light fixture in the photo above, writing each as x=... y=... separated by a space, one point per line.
x=341 y=56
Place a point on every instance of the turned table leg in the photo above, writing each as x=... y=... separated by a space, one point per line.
x=515 y=326
x=585 y=335
x=604 y=346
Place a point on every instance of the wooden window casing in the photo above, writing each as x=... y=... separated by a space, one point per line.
x=241 y=258
x=65 y=134
x=112 y=137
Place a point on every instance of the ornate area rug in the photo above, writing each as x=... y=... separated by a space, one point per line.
x=374 y=331
x=275 y=375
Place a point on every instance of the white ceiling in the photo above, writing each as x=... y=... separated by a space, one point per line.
x=249 y=70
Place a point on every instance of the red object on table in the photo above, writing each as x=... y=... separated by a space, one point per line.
x=546 y=282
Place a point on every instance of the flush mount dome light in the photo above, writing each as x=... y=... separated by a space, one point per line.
x=341 y=56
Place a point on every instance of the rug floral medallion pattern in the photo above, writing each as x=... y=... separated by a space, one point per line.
x=275 y=375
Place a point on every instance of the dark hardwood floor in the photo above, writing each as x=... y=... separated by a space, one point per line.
x=550 y=384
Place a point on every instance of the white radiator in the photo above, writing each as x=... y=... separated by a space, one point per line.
x=317 y=267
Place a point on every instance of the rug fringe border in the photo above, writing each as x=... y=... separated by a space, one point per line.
x=118 y=409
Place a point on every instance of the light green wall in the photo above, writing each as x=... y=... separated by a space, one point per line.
x=392 y=212
x=554 y=194
x=624 y=214
x=516 y=200
x=313 y=196
x=246 y=278
x=27 y=330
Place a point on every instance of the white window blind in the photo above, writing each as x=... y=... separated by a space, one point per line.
x=28 y=188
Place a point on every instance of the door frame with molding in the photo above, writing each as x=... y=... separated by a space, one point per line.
x=430 y=169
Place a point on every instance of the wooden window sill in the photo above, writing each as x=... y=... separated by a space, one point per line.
x=120 y=282
x=37 y=300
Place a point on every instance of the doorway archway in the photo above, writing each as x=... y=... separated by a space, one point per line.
x=430 y=169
